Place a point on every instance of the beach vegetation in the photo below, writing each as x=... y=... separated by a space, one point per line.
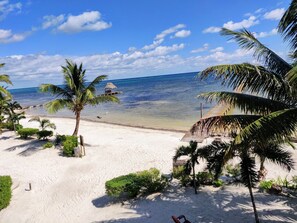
x=48 y=145
x=69 y=143
x=192 y=152
x=27 y=132
x=233 y=171
x=179 y=172
x=5 y=191
x=136 y=184
x=4 y=93
x=267 y=97
x=43 y=123
x=205 y=178
x=75 y=94
x=44 y=134
x=218 y=183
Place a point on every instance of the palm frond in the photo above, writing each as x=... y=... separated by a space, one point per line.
x=103 y=99
x=277 y=126
x=288 y=26
x=181 y=151
x=55 y=90
x=97 y=80
x=248 y=41
x=35 y=119
x=251 y=78
x=230 y=123
x=5 y=78
x=245 y=102
x=57 y=104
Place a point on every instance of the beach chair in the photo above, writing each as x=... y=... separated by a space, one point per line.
x=177 y=219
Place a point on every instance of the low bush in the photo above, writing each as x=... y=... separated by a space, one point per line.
x=48 y=145
x=44 y=134
x=233 y=171
x=59 y=139
x=218 y=183
x=204 y=178
x=26 y=132
x=266 y=184
x=69 y=144
x=10 y=126
x=180 y=174
x=134 y=184
x=5 y=191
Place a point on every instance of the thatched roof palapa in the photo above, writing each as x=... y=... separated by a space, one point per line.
x=110 y=85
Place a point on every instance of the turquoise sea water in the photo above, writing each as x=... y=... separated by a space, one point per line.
x=166 y=102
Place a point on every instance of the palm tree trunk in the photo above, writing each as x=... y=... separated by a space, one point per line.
x=253 y=201
x=76 y=123
x=194 y=178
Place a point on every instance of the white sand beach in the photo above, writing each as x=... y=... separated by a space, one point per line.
x=72 y=189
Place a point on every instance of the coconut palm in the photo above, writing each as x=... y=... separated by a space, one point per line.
x=43 y=123
x=76 y=93
x=191 y=151
x=219 y=154
x=4 y=93
x=268 y=97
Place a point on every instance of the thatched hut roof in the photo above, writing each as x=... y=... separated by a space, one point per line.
x=110 y=85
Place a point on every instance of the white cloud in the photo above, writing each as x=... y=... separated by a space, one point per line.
x=87 y=21
x=212 y=29
x=51 y=21
x=218 y=49
x=182 y=34
x=171 y=30
x=153 y=45
x=6 y=36
x=7 y=8
x=259 y=10
x=202 y=49
x=273 y=32
x=246 y=23
x=275 y=14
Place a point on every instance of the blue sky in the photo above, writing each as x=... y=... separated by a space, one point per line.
x=128 y=38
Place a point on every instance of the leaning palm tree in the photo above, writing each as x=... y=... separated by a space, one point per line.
x=219 y=154
x=268 y=97
x=192 y=151
x=43 y=123
x=76 y=93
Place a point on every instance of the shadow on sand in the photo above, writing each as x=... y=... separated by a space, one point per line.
x=29 y=148
x=222 y=206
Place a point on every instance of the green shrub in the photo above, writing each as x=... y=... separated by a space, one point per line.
x=5 y=191
x=266 y=184
x=204 y=178
x=233 y=171
x=59 y=139
x=134 y=184
x=48 y=145
x=10 y=126
x=26 y=132
x=69 y=144
x=180 y=174
x=218 y=183
x=44 y=134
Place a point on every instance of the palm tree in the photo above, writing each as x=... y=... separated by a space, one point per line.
x=4 y=93
x=43 y=123
x=269 y=101
x=75 y=94
x=192 y=151
x=219 y=153
x=12 y=116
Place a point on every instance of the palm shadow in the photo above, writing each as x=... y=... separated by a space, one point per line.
x=207 y=206
x=29 y=148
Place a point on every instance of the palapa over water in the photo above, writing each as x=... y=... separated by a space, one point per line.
x=108 y=88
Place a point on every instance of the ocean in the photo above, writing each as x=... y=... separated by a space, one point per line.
x=162 y=102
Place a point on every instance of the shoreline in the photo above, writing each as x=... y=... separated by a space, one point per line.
x=112 y=123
